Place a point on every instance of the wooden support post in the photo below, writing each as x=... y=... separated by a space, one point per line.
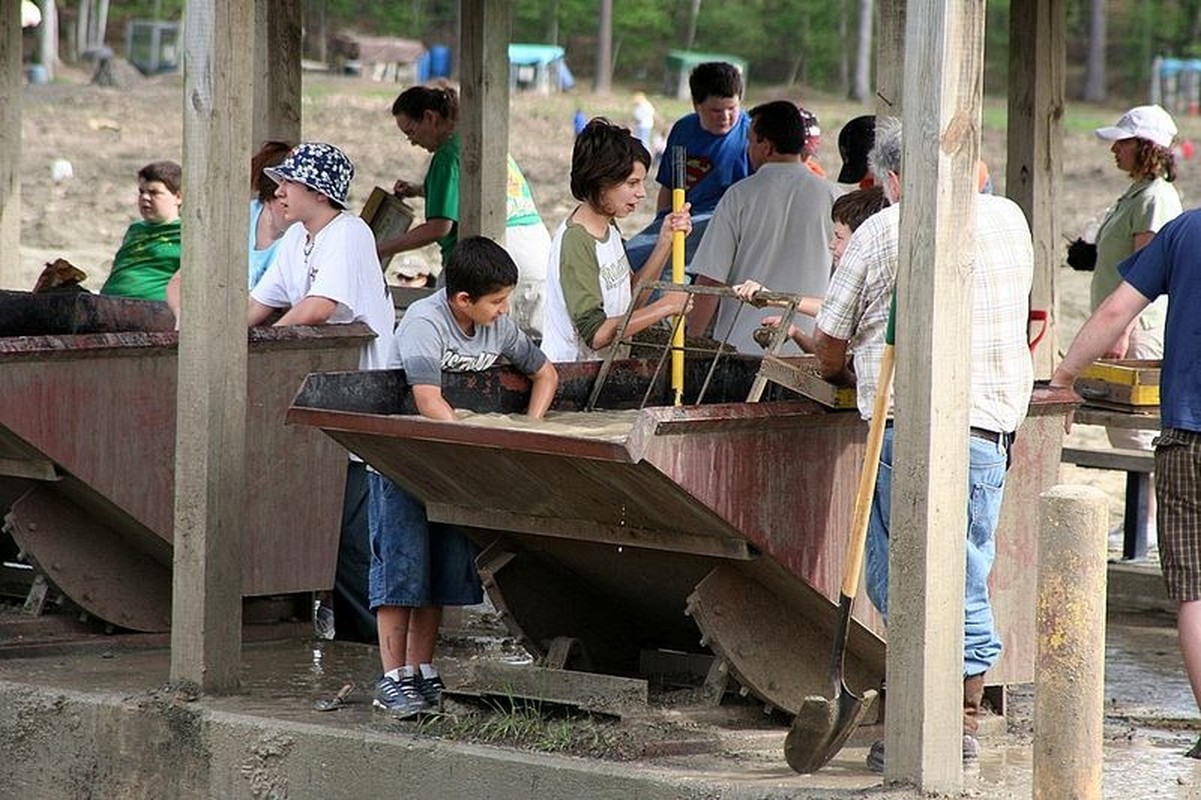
x=277 y=36
x=1069 y=676
x=210 y=439
x=11 y=81
x=944 y=51
x=890 y=58
x=1034 y=169
x=484 y=117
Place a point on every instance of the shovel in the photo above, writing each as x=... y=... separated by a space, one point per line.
x=335 y=702
x=822 y=725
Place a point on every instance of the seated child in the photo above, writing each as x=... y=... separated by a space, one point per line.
x=417 y=566
x=588 y=279
x=149 y=253
x=849 y=212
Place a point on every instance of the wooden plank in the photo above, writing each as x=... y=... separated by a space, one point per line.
x=1034 y=164
x=277 y=39
x=10 y=145
x=590 y=531
x=210 y=469
x=388 y=216
x=944 y=88
x=1139 y=419
x=484 y=116
x=38 y=469
x=799 y=373
x=1115 y=458
x=609 y=694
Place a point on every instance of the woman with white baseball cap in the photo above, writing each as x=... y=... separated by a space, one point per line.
x=1142 y=148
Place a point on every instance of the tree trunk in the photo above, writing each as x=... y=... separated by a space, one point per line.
x=693 y=12
x=48 y=38
x=82 y=26
x=844 y=66
x=1094 y=74
x=100 y=24
x=863 y=53
x=604 y=48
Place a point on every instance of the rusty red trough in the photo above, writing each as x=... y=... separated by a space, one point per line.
x=728 y=517
x=87 y=452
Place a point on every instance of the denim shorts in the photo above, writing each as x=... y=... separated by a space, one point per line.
x=415 y=562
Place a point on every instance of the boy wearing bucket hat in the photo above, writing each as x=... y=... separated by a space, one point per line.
x=326 y=271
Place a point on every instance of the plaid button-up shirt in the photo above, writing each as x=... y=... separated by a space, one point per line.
x=856 y=309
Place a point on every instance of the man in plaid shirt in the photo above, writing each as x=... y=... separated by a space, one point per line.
x=853 y=317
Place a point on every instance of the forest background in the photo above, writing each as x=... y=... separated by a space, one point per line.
x=823 y=45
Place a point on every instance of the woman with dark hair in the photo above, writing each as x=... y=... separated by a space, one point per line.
x=428 y=117
x=588 y=281
x=267 y=223
x=1142 y=148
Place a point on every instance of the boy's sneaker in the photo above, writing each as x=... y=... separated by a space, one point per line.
x=431 y=689
x=400 y=698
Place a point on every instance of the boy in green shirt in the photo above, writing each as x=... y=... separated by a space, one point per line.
x=150 y=251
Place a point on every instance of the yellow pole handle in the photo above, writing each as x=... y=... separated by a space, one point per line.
x=677 y=275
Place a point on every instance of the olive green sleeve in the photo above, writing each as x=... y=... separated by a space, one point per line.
x=579 y=274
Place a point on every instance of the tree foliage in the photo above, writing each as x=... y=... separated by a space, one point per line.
x=781 y=40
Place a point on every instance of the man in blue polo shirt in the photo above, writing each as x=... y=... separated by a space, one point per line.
x=1166 y=266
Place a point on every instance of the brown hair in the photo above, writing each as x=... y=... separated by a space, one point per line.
x=168 y=173
x=416 y=100
x=854 y=207
x=1153 y=161
x=269 y=155
x=603 y=156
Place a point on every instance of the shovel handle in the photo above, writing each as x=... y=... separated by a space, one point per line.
x=867 y=478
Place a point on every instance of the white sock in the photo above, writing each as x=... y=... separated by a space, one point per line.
x=407 y=672
x=429 y=671
x=394 y=674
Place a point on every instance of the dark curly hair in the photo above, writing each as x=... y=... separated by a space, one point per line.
x=1153 y=161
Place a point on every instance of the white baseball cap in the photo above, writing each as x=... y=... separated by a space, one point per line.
x=1144 y=122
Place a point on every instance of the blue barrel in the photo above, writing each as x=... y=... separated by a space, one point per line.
x=37 y=74
x=423 y=67
x=440 y=61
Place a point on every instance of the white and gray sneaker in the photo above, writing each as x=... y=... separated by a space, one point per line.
x=400 y=698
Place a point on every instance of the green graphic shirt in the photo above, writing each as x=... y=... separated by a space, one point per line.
x=148 y=257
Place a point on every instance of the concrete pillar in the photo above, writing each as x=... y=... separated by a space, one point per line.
x=1069 y=669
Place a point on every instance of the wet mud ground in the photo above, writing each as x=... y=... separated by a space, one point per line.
x=1151 y=719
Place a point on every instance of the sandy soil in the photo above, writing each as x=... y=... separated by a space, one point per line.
x=107 y=134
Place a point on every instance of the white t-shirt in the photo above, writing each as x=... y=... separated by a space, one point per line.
x=585 y=277
x=342 y=266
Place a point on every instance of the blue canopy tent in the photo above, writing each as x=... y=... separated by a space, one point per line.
x=538 y=67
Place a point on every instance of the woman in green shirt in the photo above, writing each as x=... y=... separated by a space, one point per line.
x=1142 y=148
x=428 y=116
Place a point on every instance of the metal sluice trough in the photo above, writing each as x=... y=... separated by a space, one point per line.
x=87 y=453
x=721 y=525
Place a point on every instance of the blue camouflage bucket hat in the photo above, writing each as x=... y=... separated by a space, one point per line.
x=319 y=166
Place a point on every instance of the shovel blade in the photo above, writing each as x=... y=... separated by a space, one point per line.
x=821 y=728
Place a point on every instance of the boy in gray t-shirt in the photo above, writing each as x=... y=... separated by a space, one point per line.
x=417 y=566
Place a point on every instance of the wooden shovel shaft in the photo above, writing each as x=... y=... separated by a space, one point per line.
x=867 y=478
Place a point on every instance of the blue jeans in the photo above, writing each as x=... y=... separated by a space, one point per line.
x=415 y=562
x=986 y=487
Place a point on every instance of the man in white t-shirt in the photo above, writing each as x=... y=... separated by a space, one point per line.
x=327 y=271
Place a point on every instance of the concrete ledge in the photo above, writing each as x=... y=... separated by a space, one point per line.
x=61 y=744
x=1137 y=586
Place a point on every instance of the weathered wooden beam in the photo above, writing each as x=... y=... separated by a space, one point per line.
x=206 y=609
x=484 y=116
x=10 y=144
x=944 y=51
x=277 y=38
x=890 y=58
x=1034 y=167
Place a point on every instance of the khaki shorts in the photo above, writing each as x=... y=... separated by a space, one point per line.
x=1178 y=490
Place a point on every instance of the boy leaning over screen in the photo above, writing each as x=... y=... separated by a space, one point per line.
x=417 y=566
